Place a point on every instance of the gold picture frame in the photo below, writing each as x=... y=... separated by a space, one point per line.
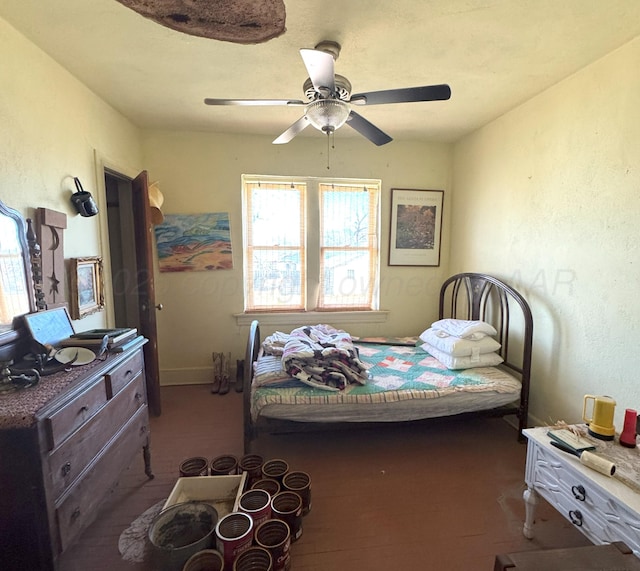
x=86 y=285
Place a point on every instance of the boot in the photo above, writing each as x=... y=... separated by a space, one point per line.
x=224 y=373
x=239 y=375
x=215 y=389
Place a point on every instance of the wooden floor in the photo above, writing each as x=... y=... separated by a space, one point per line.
x=429 y=497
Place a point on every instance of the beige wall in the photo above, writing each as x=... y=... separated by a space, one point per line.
x=201 y=172
x=548 y=197
x=51 y=124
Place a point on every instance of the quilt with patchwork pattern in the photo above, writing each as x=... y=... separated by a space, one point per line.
x=395 y=373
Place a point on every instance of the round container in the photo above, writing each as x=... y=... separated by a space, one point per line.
x=275 y=469
x=287 y=506
x=300 y=483
x=268 y=484
x=253 y=559
x=252 y=465
x=179 y=531
x=196 y=466
x=256 y=503
x=234 y=534
x=205 y=560
x=274 y=535
x=224 y=465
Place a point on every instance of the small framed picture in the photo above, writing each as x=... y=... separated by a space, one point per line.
x=416 y=227
x=86 y=286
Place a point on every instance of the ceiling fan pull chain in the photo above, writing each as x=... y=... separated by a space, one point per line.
x=328 y=147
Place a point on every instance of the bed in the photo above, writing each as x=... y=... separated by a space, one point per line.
x=404 y=382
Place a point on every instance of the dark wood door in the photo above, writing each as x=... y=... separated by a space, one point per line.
x=146 y=286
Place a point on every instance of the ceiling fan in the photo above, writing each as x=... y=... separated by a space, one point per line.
x=329 y=99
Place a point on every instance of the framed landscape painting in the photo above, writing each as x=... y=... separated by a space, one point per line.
x=416 y=227
x=194 y=242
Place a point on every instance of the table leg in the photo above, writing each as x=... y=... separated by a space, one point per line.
x=146 y=454
x=530 y=497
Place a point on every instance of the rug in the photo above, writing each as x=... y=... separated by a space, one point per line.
x=133 y=542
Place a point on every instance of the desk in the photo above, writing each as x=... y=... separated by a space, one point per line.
x=604 y=509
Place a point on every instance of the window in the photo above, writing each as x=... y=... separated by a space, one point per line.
x=310 y=244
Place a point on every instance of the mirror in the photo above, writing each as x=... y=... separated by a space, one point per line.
x=16 y=284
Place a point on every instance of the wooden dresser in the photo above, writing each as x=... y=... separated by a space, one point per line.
x=63 y=445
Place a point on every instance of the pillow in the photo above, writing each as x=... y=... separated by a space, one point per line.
x=486 y=360
x=458 y=347
x=268 y=371
x=465 y=329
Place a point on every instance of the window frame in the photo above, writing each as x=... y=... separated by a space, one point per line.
x=311 y=228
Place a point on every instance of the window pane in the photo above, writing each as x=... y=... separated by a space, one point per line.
x=346 y=278
x=277 y=278
x=345 y=218
x=349 y=247
x=275 y=217
x=274 y=260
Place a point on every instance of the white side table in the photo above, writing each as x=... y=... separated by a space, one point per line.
x=604 y=509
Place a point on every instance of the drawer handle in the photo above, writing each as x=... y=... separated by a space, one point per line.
x=579 y=493
x=75 y=515
x=84 y=408
x=66 y=469
x=138 y=397
x=576 y=517
x=143 y=430
x=128 y=373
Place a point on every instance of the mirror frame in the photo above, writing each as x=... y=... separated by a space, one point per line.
x=11 y=335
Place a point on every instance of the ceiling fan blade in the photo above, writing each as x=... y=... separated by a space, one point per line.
x=407 y=95
x=367 y=129
x=319 y=65
x=290 y=102
x=292 y=131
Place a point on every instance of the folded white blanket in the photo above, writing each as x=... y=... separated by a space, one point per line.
x=486 y=360
x=457 y=346
x=466 y=329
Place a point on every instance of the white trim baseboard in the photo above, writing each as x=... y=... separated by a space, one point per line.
x=186 y=376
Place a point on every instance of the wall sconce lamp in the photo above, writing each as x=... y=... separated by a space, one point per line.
x=83 y=201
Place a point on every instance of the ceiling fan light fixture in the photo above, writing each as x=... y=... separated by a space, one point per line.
x=327 y=115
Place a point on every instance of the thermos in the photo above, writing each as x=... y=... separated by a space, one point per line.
x=628 y=435
x=601 y=420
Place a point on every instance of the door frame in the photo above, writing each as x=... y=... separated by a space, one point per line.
x=105 y=166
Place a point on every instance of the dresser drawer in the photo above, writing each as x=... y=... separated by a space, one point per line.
x=79 y=507
x=123 y=373
x=62 y=422
x=579 y=515
x=68 y=461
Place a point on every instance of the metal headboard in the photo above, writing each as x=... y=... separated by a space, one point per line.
x=483 y=297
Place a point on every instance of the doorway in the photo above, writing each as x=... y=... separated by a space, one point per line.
x=129 y=227
x=120 y=225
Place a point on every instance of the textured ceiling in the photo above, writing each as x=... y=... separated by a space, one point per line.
x=239 y=21
x=495 y=54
